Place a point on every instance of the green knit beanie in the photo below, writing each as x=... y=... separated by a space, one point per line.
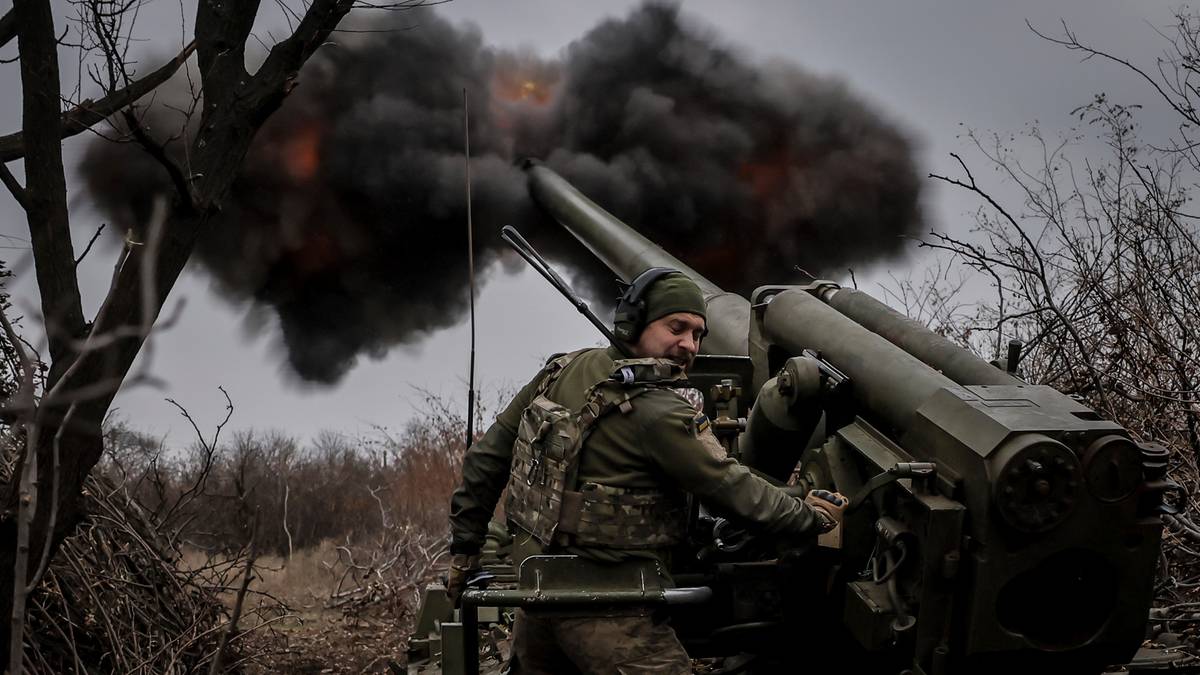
x=674 y=293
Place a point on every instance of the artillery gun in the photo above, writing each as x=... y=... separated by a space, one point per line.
x=994 y=526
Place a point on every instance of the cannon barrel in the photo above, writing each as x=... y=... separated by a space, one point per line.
x=628 y=253
x=932 y=349
x=887 y=380
x=891 y=380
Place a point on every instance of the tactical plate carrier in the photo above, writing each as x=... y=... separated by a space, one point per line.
x=544 y=497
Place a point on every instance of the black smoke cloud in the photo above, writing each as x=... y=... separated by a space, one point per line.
x=348 y=219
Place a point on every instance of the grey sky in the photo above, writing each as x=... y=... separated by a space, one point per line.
x=929 y=64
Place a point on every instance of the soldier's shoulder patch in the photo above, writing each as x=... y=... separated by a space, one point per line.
x=692 y=395
x=713 y=446
x=700 y=424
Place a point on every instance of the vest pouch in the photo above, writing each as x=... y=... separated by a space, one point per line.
x=602 y=515
x=545 y=457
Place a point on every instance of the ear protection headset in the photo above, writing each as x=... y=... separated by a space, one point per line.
x=630 y=316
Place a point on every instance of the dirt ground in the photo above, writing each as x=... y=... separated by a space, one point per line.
x=296 y=630
x=318 y=640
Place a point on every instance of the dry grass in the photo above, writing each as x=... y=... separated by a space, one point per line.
x=305 y=580
x=321 y=628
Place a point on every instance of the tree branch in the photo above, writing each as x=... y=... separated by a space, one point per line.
x=8 y=26
x=87 y=249
x=221 y=32
x=1040 y=276
x=1071 y=42
x=287 y=56
x=247 y=576
x=45 y=181
x=89 y=113
x=26 y=493
x=159 y=153
x=14 y=186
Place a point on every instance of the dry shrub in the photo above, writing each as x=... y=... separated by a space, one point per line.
x=358 y=524
x=340 y=488
x=364 y=520
x=115 y=598
x=386 y=570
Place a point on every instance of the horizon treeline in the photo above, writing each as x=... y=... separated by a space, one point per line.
x=290 y=494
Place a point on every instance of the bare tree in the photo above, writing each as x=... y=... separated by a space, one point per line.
x=1097 y=274
x=89 y=359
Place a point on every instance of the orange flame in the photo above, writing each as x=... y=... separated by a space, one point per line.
x=318 y=252
x=523 y=79
x=301 y=152
x=511 y=89
x=767 y=177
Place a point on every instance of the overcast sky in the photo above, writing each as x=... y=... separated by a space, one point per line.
x=931 y=65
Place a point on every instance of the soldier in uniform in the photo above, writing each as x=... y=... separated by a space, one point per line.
x=598 y=452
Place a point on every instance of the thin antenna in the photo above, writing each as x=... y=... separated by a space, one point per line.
x=470 y=274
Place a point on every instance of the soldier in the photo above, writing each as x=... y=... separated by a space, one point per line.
x=598 y=452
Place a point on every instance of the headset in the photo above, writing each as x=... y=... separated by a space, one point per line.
x=630 y=317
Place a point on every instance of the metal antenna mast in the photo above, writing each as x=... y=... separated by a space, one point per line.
x=470 y=274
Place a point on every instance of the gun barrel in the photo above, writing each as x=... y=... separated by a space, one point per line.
x=887 y=380
x=628 y=253
x=934 y=350
x=879 y=355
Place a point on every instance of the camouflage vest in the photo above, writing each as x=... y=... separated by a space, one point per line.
x=543 y=495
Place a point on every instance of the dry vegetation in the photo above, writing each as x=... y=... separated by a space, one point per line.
x=1094 y=265
x=348 y=530
x=87 y=352
x=336 y=536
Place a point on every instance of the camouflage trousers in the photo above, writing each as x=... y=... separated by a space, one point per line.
x=596 y=645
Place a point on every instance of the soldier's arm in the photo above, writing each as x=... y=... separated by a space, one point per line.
x=485 y=470
x=678 y=440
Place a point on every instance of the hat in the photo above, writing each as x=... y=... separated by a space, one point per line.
x=672 y=293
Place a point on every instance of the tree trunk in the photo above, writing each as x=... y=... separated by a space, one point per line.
x=236 y=105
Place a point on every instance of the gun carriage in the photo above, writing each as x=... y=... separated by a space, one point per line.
x=994 y=525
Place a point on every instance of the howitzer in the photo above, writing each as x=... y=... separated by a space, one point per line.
x=995 y=525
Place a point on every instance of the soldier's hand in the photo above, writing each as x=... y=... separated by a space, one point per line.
x=829 y=507
x=462 y=566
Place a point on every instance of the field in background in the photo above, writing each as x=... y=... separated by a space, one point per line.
x=300 y=558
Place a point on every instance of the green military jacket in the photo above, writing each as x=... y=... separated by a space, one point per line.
x=662 y=444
